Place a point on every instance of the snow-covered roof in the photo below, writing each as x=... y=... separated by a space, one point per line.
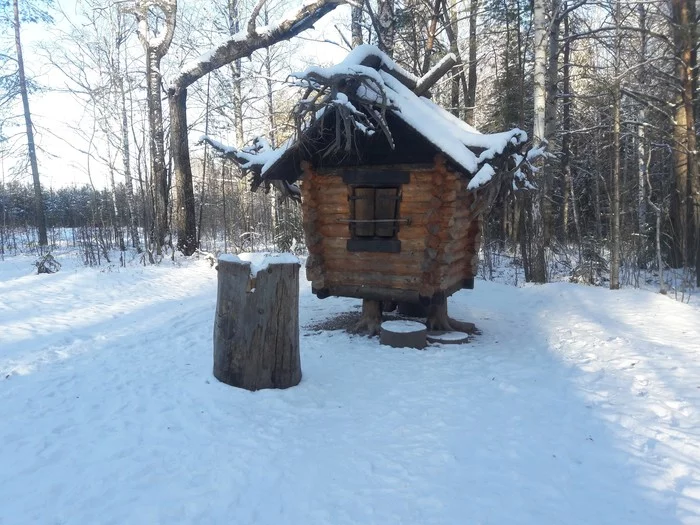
x=474 y=153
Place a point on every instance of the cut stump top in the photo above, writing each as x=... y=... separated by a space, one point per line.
x=447 y=338
x=403 y=334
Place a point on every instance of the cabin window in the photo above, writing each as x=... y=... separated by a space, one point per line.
x=374 y=219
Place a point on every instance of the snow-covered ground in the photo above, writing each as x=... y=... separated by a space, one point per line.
x=576 y=405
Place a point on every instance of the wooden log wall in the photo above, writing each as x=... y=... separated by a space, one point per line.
x=326 y=209
x=439 y=248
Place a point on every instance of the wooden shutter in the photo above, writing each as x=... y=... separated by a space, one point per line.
x=385 y=208
x=364 y=209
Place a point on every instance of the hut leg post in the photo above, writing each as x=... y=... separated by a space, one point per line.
x=371 y=320
x=439 y=320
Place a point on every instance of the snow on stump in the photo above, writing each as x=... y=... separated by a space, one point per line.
x=403 y=334
x=447 y=338
x=256 y=328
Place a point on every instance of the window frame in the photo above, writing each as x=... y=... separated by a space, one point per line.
x=374 y=180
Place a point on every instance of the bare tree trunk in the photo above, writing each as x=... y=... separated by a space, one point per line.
x=470 y=101
x=550 y=122
x=685 y=164
x=688 y=176
x=272 y=134
x=454 y=74
x=204 y=165
x=385 y=21
x=641 y=132
x=155 y=49
x=538 y=271
x=185 y=217
x=615 y=197
x=29 y=127
x=126 y=163
x=157 y=149
x=430 y=41
x=567 y=197
x=356 y=23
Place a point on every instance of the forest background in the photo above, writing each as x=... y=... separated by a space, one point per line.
x=92 y=114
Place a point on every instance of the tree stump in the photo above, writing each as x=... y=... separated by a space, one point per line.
x=256 y=329
x=403 y=334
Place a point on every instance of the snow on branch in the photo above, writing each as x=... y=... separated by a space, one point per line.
x=335 y=91
x=517 y=166
x=245 y=42
x=254 y=159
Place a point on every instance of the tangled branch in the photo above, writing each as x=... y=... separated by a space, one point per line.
x=356 y=98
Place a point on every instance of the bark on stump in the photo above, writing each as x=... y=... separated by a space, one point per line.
x=403 y=334
x=256 y=329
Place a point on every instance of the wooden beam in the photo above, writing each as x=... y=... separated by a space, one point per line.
x=436 y=73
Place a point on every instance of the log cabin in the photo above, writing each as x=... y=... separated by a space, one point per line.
x=393 y=187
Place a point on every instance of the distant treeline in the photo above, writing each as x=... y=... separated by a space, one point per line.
x=230 y=217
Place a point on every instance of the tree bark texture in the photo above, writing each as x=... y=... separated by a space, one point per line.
x=470 y=101
x=256 y=331
x=685 y=206
x=155 y=49
x=126 y=162
x=385 y=21
x=538 y=273
x=185 y=218
x=550 y=120
x=615 y=197
x=31 y=147
x=356 y=24
x=439 y=320
x=371 y=319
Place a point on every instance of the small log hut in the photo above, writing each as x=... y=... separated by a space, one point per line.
x=393 y=187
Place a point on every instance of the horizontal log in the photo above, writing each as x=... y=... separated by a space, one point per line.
x=412 y=232
x=399 y=263
x=400 y=282
x=409 y=207
x=375 y=259
x=340 y=245
x=333 y=207
x=399 y=271
x=334 y=230
x=375 y=293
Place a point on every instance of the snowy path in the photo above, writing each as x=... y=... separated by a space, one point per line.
x=576 y=406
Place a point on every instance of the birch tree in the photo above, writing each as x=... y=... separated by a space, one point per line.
x=30 y=12
x=150 y=16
